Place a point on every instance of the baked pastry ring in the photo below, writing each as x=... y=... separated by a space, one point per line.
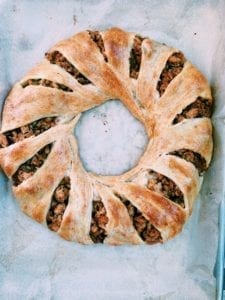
x=39 y=153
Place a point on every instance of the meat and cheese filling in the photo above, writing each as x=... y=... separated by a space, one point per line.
x=98 y=222
x=28 y=168
x=200 y=108
x=57 y=58
x=165 y=186
x=58 y=205
x=97 y=38
x=135 y=57
x=46 y=83
x=33 y=129
x=174 y=66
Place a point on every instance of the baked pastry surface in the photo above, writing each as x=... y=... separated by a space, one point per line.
x=39 y=153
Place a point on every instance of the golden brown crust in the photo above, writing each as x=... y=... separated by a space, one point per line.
x=101 y=62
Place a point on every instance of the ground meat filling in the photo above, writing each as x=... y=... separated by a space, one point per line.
x=33 y=129
x=57 y=58
x=27 y=169
x=47 y=83
x=58 y=205
x=97 y=38
x=201 y=108
x=98 y=222
x=165 y=186
x=144 y=228
x=174 y=66
x=193 y=157
x=135 y=57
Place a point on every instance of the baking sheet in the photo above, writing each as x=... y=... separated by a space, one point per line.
x=35 y=263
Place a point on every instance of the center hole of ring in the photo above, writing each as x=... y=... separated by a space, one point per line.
x=110 y=140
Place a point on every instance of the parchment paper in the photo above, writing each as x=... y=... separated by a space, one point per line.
x=34 y=262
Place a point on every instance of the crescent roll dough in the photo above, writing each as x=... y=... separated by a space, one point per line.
x=38 y=150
